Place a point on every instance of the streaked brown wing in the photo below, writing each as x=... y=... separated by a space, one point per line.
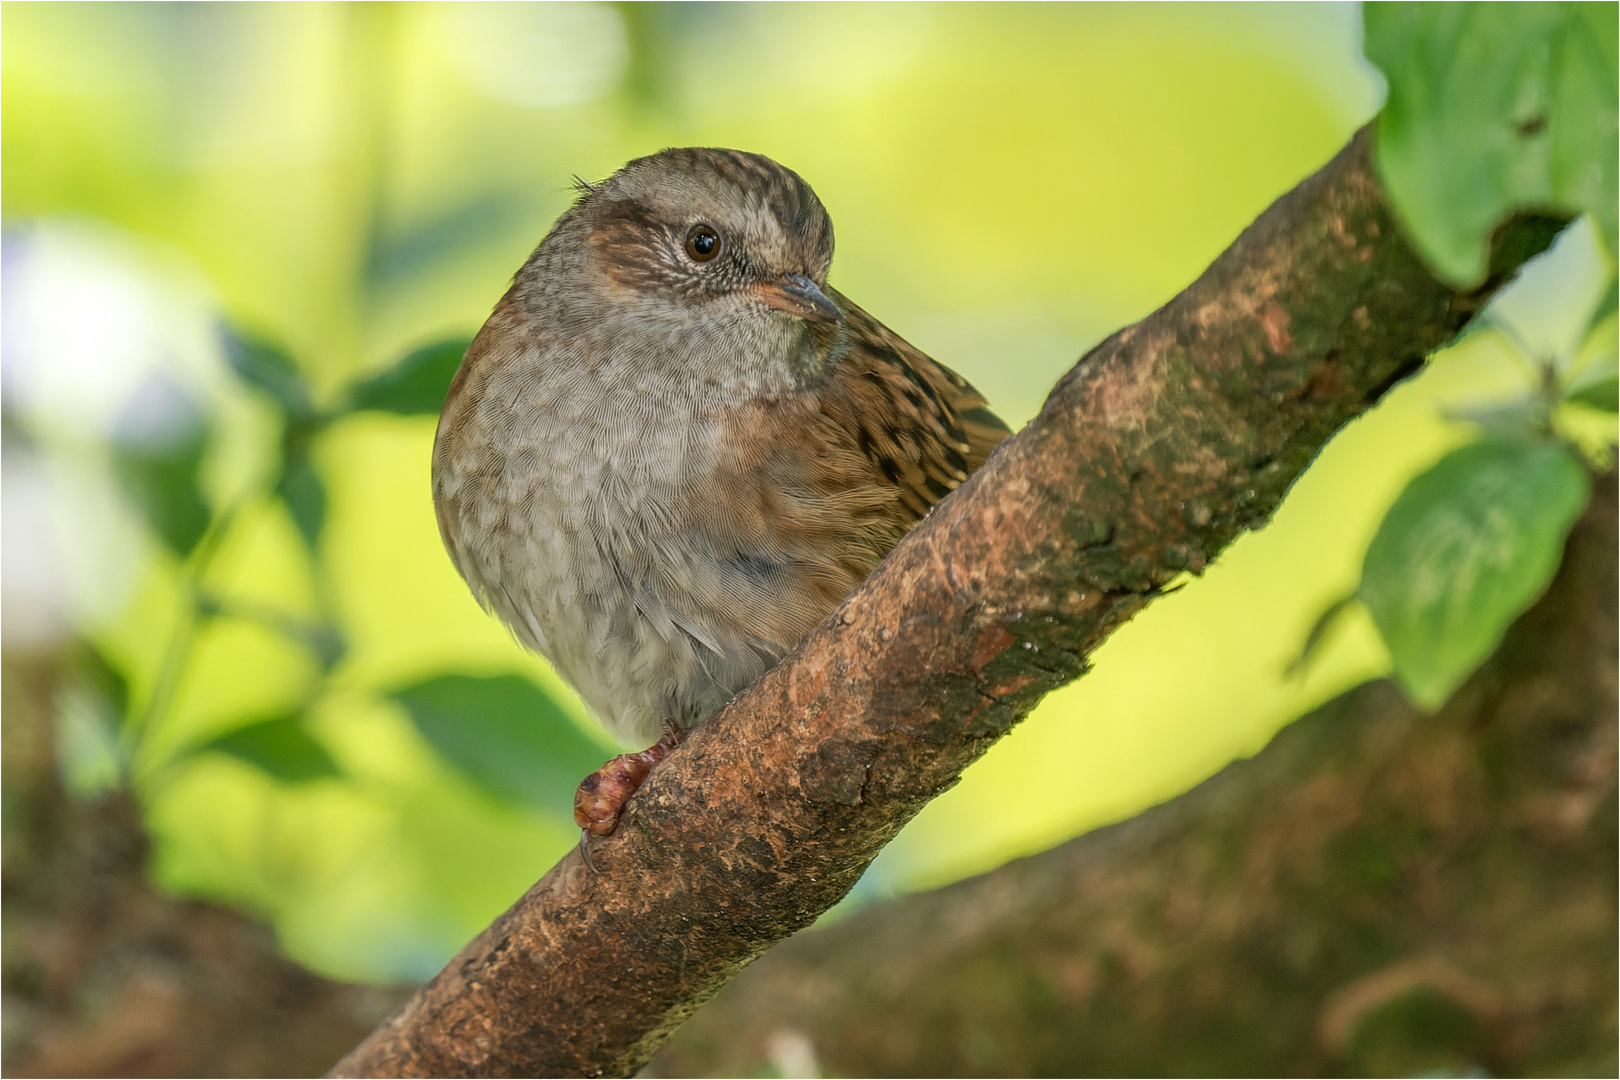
x=922 y=426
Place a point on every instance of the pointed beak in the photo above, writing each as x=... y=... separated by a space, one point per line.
x=798 y=295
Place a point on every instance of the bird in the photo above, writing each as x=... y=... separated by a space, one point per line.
x=673 y=448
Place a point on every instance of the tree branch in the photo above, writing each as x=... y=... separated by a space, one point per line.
x=1149 y=457
x=1376 y=893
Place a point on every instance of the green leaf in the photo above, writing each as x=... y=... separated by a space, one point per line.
x=164 y=485
x=158 y=445
x=1602 y=393
x=506 y=734
x=279 y=747
x=300 y=487
x=1467 y=547
x=417 y=385
x=1606 y=307
x=269 y=369
x=1492 y=108
x=90 y=704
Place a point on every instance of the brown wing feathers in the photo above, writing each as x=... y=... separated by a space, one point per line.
x=920 y=424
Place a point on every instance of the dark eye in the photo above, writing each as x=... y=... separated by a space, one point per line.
x=702 y=243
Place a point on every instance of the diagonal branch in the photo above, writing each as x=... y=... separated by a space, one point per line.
x=1149 y=457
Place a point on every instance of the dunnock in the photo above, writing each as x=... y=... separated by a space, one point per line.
x=673 y=448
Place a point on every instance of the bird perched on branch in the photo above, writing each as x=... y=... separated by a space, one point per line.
x=673 y=448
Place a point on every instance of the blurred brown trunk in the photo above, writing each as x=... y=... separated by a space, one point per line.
x=1378 y=892
x=104 y=975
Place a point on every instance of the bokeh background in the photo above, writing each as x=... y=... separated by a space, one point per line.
x=1009 y=184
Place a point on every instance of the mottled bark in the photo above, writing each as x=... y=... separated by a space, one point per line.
x=1377 y=893
x=106 y=976
x=1162 y=444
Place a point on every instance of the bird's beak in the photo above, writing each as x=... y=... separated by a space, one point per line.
x=798 y=295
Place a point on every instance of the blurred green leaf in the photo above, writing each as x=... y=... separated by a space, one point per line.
x=1600 y=393
x=268 y=368
x=1607 y=306
x=1598 y=384
x=417 y=385
x=1466 y=548
x=279 y=747
x=1493 y=107
x=300 y=487
x=506 y=734
x=158 y=444
x=397 y=257
x=1524 y=417
x=163 y=482
x=89 y=713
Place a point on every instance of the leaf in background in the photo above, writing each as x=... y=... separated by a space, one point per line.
x=279 y=747
x=1598 y=389
x=300 y=487
x=417 y=385
x=1606 y=307
x=489 y=217
x=270 y=369
x=1598 y=384
x=1467 y=547
x=159 y=442
x=90 y=705
x=1493 y=107
x=506 y=734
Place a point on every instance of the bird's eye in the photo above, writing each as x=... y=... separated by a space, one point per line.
x=702 y=243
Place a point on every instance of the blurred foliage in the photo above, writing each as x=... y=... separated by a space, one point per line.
x=1492 y=108
x=288 y=220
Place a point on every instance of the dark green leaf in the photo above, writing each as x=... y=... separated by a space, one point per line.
x=158 y=444
x=506 y=734
x=1601 y=393
x=279 y=747
x=164 y=486
x=1492 y=108
x=1467 y=547
x=416 y=386
x=300 y=487
x=268 y=368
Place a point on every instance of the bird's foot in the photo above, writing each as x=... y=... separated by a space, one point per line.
x=600 y=800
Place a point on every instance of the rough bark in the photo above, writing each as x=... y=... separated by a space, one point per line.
x=1150 y=456
x=1377 y=893
x=106 y=976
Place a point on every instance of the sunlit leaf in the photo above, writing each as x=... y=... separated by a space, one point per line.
x=506 y=734
x=268 y=368
x=281 y=748
x=1607 y=306
x=1599 y=383
x=1493 y=107
x=416 y=386
x=1467 y=547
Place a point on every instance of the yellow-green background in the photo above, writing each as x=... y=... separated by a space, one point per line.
x=1009 y=184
